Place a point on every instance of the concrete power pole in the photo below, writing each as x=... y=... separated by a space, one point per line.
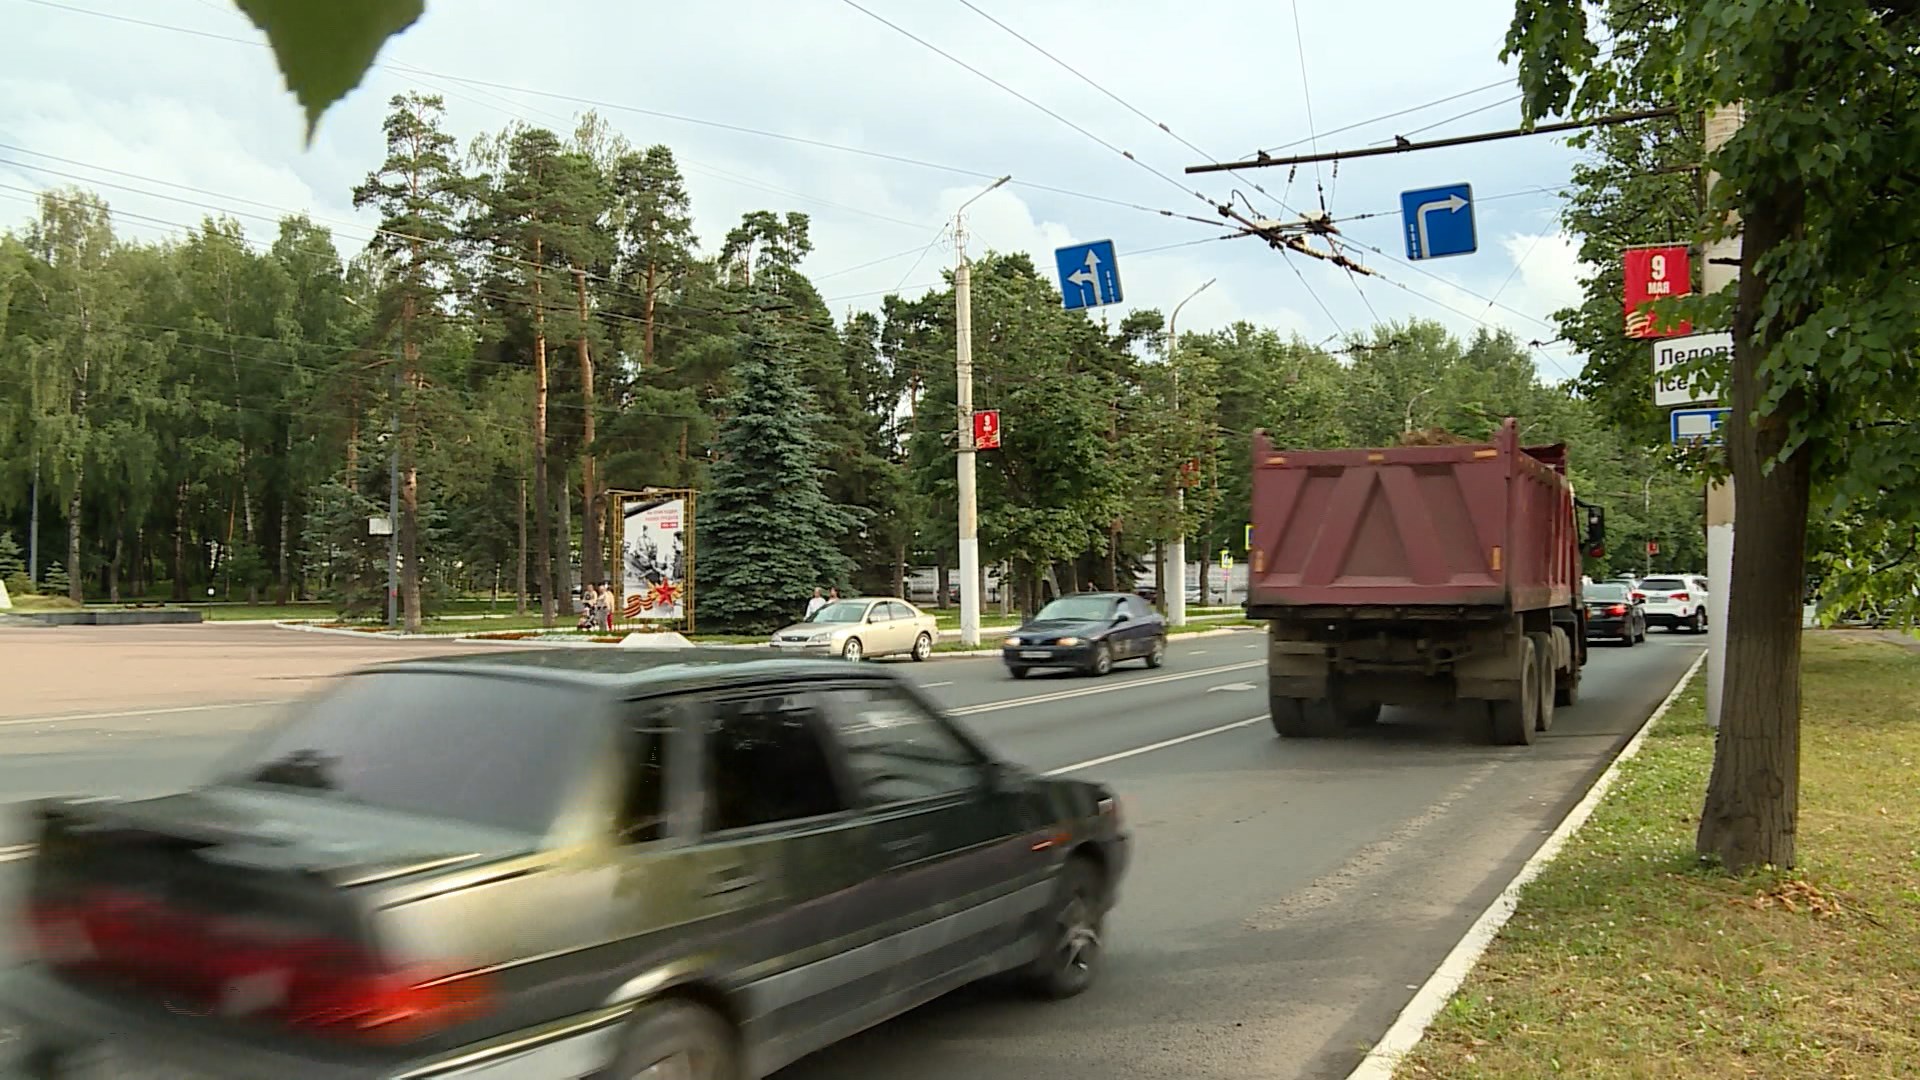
x=1722 y=266
x=1176 y=582
x=963 y=395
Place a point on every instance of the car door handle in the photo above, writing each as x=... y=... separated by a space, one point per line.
x=731 y=881
x=907 y=847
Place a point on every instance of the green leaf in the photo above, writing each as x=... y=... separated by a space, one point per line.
x=325 y=49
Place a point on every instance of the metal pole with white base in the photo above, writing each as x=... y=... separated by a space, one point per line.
x=963 y=393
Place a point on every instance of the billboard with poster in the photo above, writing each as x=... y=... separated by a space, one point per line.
x=654 y=557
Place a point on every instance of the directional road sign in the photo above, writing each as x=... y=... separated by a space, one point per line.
x=1697 y=425
x=1089 y=274
x=1668 y=355
x=1439 y=222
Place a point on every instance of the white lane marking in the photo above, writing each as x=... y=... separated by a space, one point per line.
x=1197 y=652
x=934 y=685
x=1232 y=687
x=1151 y=747
x=71 y=717
x=15 y=852
x=1066 y=695
x=1412 y=1024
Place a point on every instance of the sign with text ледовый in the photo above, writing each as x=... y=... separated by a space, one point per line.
x=1670 y=353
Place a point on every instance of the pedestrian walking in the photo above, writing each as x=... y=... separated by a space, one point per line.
x=607 y=603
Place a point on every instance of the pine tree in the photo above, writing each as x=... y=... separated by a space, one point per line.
x=768 y=532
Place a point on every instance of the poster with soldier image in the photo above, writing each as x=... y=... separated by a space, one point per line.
x=653 y=559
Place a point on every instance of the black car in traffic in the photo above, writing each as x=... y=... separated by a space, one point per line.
x=1614 y=612
x=557 y=863
x=1087 y=632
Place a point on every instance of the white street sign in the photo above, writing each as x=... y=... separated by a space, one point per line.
x=1670 y=353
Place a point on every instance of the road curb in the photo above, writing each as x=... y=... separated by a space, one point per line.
x=1411 y=1025
x=397 y=635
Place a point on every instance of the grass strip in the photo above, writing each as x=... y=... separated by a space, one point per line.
x=1628 y=958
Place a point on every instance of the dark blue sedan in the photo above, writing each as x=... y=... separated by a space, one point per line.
x=1087 y=632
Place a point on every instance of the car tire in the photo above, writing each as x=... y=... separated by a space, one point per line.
x=1072 y=953
x=922 y=646
x=852 y=651
x=695 y=1038
x=1018 y=671
x=1157 y=655
x=1102 y=661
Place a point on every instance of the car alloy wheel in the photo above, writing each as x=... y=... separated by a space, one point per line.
x=851 y=650
x=1073 y=946
x=1158 y=654
x=1102 y=659
x=922 y=646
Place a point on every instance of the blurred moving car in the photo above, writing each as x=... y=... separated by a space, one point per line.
x=1089 y=632
x=557 y=863
x=862 y=627
x=1677 y=602
x=1614 y=612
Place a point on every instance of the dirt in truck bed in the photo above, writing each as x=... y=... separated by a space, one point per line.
x=1433 y=436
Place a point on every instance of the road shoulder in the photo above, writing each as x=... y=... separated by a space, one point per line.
x=1624 y=957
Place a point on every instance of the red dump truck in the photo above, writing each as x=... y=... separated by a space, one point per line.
x=1419 y=575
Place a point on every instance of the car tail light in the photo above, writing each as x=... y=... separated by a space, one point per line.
x=1639 y=596
x=1679 y=596
x=330 y=988
x=1617 y=609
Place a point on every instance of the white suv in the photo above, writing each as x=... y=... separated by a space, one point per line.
x=1675 y=601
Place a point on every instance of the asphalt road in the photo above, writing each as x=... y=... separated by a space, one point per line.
x=1286 y=900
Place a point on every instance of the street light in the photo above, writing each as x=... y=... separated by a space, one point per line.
x=1177 y=551
x=393 y=495
x=963 y=396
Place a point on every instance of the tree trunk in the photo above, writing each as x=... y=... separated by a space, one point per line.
x=353 y=444
x=542 y=504
x=592 y=571
x=646 y=337
x=520 y=557
x=180 y=541
x=113 y=565
x=1160 y=575
x=943 y=581
x=562 y=535
x=900 y=569
x=284 y=585
x=1750 y=816
x=76 y=578
x=410 y=546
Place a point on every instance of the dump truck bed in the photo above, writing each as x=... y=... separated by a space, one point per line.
x=1487 y=526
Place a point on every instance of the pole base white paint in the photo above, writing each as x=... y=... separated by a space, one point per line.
x=970 y=590
x=1175 y=578
x=1719 y=585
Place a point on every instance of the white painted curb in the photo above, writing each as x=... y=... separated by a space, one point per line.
x=1412 y=1024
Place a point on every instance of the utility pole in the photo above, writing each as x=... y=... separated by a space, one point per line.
x=1176 y=600
x=1722 y=266
x=1646 y=515
x=963 y=396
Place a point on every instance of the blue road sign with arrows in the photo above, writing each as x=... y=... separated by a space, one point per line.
x=1089 y=275
x=1439 y=222
x=1697 y=425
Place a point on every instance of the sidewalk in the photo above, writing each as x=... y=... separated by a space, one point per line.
x=1626 y=958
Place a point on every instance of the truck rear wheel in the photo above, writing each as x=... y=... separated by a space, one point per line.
x=1513 y=722
x=1298 y=718
x=1549 y=680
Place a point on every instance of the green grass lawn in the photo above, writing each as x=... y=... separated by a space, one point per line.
x=1627 y=958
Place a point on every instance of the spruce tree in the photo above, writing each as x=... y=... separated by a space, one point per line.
x=768 y=534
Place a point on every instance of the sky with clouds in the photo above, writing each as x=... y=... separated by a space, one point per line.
x=816 y=105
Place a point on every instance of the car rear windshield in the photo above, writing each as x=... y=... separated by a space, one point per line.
x=841 y=611
x=1664 y=584
x=1076 y=608
x=1607 y=592
x=491 y=751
